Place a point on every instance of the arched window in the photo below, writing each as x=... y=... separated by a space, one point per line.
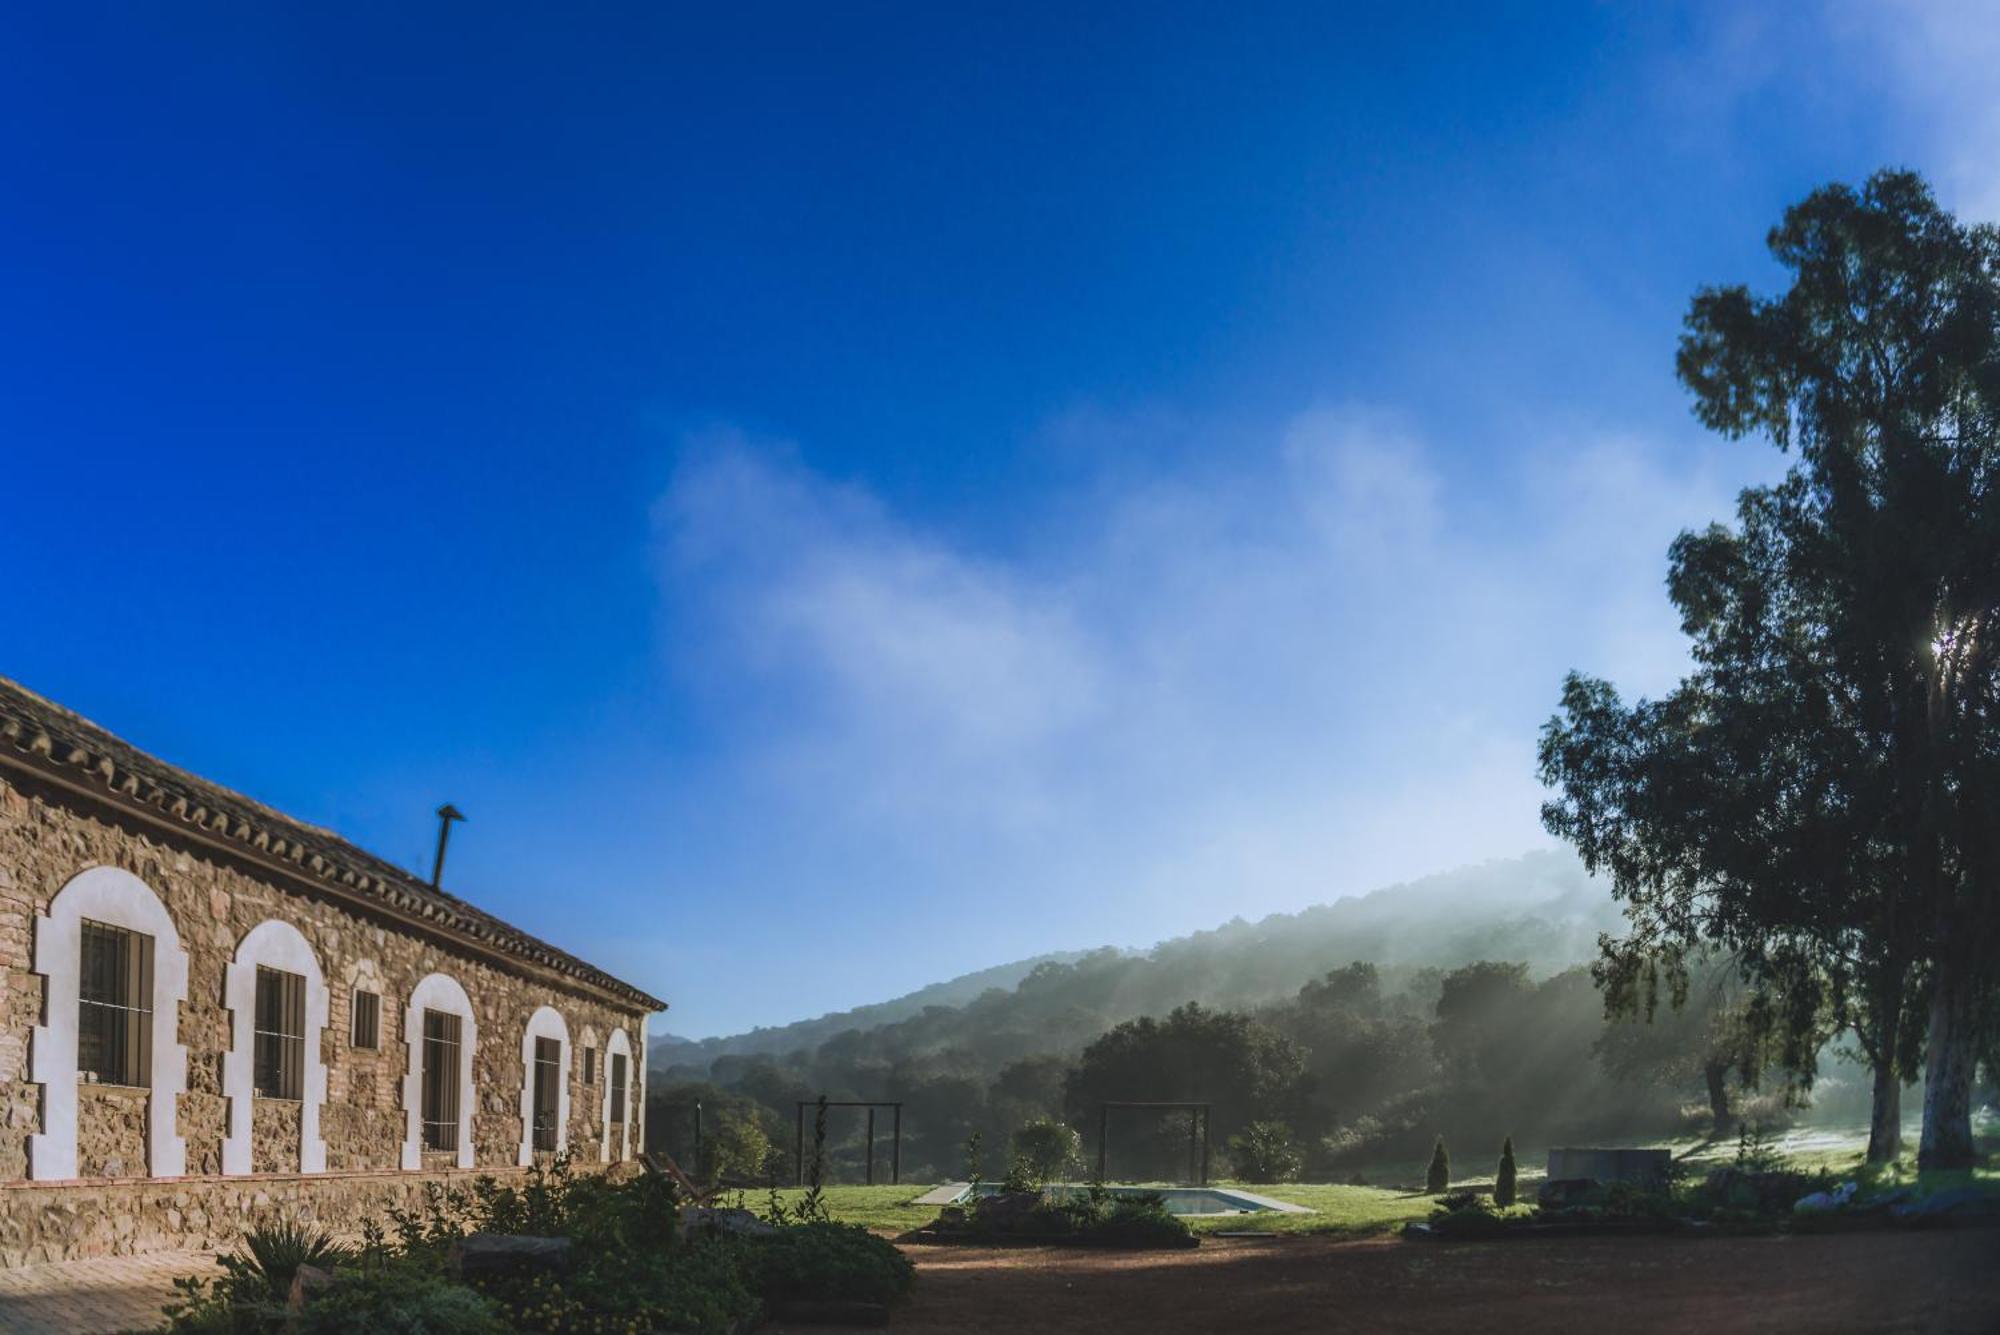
x=437 y=1090
x=544 y=1084
x=116 y=978
x=617 y=1079
x=277 y=1000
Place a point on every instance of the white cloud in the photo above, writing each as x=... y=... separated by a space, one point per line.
x=1316 y=672
x=1944 y=59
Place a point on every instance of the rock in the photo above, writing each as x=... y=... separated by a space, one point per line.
x=308 y=1280
x=507 y=1254
x=1954 y=1202
x=1006 y=1208
x=724 y=1220
x=1838 y=1199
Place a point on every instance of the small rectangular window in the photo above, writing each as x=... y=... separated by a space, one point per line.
x=590 y=1066
x=367 y=1028
x=440 y=1089
x=548 y=1083
x=618 y=1089
x=114 y=1029
x=280 y=1034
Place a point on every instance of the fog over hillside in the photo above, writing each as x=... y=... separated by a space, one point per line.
x=1541 y=909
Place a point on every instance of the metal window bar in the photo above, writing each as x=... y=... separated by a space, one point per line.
x=114 y=1033
x=279 y=1035
x=617 y=1089
x=366 y=1031
x=548 y=1076
x=440 y=1085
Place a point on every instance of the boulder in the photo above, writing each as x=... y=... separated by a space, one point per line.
x=1006 y=1209
x=1820 y=1201
x=306 y=1281
x=1956 y=1202
x=723 y=1220
x=509 y=1254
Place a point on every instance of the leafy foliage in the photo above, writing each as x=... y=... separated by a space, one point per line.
x=1265 y=1152
x=1047 y=1150
x=830 y=1261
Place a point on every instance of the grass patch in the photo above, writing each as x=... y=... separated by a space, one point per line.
x=1358 y=1211
x=880 y=1208
x=1354 y=1211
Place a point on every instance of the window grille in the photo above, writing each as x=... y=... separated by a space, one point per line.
x=548 y=1075
x=279 y=1035
x=618 y=1089
x=367 y=1027
x=440 y=1090
x=114 y=1032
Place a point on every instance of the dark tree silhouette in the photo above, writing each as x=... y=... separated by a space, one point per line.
x=1819 y=797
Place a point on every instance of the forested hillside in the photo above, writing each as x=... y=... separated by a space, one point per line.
x=1360 y=1027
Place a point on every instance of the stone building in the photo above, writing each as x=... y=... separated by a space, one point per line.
x=212 y=1012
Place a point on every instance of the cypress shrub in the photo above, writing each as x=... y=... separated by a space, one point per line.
x=1503 y=1181
x=1439 y=1176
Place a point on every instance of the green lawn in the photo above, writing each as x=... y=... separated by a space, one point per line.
x=1362 y=1210
x=1355 y=1210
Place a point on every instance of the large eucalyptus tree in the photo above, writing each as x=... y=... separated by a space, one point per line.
x=1820 y=796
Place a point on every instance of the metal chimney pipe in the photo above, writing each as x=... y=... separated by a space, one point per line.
x=446 y=815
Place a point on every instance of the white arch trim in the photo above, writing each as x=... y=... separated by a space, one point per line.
x=617 y=1043
x=118 y=898
x=437 y=992
x=274 y=945
x=546 y=1022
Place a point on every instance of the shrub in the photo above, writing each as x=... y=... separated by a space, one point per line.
x=739 y=1148
x=276 y=1251
x=1439 y=1176
x=1265 y=1152
x=1047 y=1150
x=830 y=1262
x=398 y=1299
x=1503 y=1181
x=1465 y=1214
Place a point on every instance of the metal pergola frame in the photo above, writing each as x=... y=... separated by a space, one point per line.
x=896 y=1134
x=1197 y=1117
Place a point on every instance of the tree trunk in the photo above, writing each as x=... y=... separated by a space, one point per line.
x=1951 y=1052
x=1885 y=1122
x=1717 y=1076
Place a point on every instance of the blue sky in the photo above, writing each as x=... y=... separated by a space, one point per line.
x=846 y=494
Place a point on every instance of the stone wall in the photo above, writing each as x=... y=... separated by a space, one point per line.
x=111 y=1131
x=76 y=1221
x=47 y=838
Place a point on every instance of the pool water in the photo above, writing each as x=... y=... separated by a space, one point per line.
x=1178 y=1200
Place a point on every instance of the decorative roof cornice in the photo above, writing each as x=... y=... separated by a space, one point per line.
x=39 y=735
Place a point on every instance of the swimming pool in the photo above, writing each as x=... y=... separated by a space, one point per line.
x=1178 y=1200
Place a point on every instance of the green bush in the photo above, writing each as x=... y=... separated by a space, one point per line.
x=1466 y=1214
x=1047 y=1150
x=1439 y=1176
x=1503 y=1181
x=1265 y=1152
x=391 y=1299
x=739 y=1148
x=830 y=1262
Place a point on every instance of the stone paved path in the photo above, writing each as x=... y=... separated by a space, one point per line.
x=113 y=1293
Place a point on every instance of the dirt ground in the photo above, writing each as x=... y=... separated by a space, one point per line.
x=1929 y=1282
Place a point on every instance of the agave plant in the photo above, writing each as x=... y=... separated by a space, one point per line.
x=276 y=1251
